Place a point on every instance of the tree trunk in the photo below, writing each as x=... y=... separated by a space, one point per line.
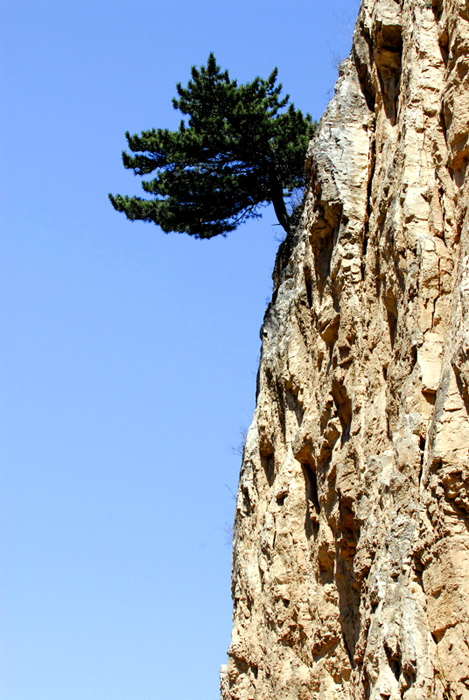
x=276 y=191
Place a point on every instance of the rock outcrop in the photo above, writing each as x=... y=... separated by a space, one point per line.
x=351 y=542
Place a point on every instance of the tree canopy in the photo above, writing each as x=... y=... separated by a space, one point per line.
x=241 y=147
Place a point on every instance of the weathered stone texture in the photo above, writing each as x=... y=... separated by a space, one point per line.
x=351 y=543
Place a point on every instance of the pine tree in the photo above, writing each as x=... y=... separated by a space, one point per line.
x=241 y=147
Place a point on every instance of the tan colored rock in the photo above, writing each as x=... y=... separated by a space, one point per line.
x=351 y=542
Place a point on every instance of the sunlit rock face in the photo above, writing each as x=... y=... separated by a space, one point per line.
x=351 y=543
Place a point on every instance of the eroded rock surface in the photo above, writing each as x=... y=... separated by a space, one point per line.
x=351 y=543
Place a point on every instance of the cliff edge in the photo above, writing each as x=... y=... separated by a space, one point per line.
x=351 y=541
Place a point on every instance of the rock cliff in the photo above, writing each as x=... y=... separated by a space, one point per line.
x=351 y=542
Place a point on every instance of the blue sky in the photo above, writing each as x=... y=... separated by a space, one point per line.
x=129 y=356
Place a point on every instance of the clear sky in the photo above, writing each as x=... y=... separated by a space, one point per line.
x=128 y=357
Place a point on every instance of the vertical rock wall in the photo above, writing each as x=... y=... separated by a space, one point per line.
x=351 y=543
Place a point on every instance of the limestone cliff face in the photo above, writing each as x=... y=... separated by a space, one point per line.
x=351 y=542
